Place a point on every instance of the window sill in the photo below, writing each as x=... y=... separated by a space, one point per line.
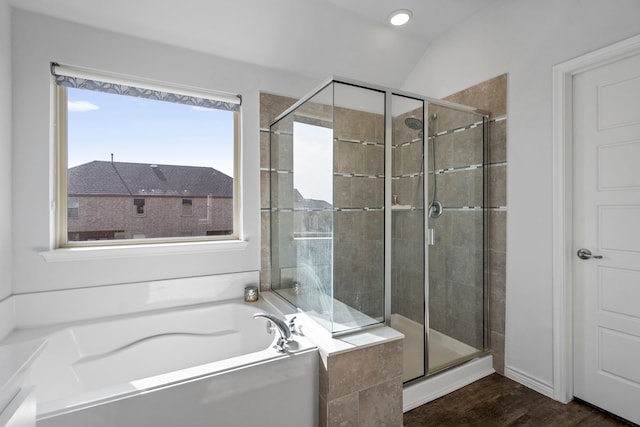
x=115 y=252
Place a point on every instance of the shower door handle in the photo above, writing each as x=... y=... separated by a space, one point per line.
x=586 y=254
x=431 y=239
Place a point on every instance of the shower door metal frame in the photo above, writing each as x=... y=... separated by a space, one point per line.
x=388 y=165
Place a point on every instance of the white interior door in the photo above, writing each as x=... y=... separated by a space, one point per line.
x=606 y=221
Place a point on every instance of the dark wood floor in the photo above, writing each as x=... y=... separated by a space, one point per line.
x=499 y=401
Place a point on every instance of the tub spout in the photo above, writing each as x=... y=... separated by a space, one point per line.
x=282 y=328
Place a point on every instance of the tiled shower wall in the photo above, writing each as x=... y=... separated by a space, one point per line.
x=491 y=96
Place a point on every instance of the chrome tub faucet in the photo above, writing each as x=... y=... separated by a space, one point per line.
x=281 y=326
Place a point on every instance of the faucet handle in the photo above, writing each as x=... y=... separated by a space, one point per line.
x=281 y=345
x=295 y=329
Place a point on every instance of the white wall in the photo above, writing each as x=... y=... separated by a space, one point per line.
x=38 y=40
x=525 y=39
x=5 y=150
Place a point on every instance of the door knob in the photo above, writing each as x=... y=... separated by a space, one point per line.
x=586 y=254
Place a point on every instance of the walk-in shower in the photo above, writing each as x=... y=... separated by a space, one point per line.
x=352 y=245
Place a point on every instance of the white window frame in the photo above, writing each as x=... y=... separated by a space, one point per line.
x=60 y=134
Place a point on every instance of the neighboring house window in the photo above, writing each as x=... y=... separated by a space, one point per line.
x=124 y=139
x=72 y=207
x=187 y=207
x=138 y=207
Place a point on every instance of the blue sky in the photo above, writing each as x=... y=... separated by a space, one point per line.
x=147 y=131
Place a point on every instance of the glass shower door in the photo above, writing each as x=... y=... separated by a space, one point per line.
x=408 y=232
x=456 y=216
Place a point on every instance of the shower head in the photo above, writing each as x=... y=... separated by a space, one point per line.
x=413 y=123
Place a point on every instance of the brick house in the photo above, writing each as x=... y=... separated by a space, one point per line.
x=119 y=200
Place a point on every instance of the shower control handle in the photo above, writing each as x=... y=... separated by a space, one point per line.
x=586 y=254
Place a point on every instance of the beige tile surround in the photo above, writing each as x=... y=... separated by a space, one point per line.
x=362 y=387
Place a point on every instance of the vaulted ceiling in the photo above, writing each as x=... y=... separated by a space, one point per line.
x=315 y=38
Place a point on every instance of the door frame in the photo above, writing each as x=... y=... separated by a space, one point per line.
x=562 y=250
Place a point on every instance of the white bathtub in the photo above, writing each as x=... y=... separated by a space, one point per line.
x=204 y=365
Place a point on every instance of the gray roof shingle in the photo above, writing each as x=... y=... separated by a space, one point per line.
x=144 y=179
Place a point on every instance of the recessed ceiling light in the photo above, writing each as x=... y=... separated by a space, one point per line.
x=400 y=17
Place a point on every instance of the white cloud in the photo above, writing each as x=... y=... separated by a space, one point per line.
x=81 y=106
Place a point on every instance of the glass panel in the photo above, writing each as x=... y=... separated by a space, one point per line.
x=358 y=180
x=456 y=216
x=302 y=206
x=407 y=233
x=327 y=217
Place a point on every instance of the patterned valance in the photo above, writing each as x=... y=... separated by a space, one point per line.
x=193 y=98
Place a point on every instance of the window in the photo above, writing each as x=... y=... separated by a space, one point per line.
x=138 y=207
x=131 y=145
x=187 y=207
x=72 y=207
